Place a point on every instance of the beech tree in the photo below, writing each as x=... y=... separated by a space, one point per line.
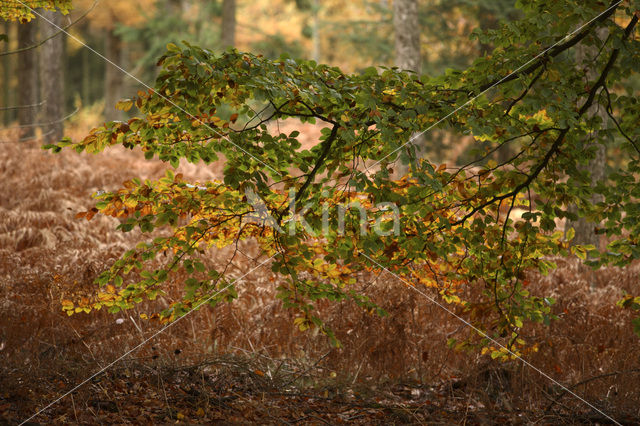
x=22 y=12
x=455 y=226
x=107 y=17
x=52 y=76
x=228 y=27
x=28 y=78
x=407 y=35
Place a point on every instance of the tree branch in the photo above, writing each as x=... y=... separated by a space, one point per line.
x=524 y=92
x=609 y=110
x=555 y=51
x=24 y=106
x=323 y=155
x=560 y=138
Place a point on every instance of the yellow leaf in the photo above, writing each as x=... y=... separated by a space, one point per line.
x=301 y=322
x=130 y=202
x=333 y=273
x=103 y=297
x=124 y=105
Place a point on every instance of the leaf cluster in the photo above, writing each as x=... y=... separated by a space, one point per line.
x=22 y=11
x=480 y=224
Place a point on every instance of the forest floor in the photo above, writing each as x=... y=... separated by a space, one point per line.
x=246 y=362
x=234 y=390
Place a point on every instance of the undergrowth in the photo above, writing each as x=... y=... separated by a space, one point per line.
x=252 y=345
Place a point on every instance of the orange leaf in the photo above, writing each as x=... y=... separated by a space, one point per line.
x=91 y=213
x=233 y=117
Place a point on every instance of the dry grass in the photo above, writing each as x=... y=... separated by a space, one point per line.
x=46 y=254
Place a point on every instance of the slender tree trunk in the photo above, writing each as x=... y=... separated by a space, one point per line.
x=407 y=35
x=6 y=77
x=52 y=77
x=315 y=31
x=114 y=79
x=228 y=36
x=486 y=21
x=86 y=77
x=407 y=48
x=27 y=78
x=585 y=231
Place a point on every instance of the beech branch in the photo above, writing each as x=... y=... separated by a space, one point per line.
x=560 y=138
x=555 y=51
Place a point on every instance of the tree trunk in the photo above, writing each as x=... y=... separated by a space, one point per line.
x=86 y=77
x=113 y=79
x=6 y=77
x=52 y=77
x=315 y=31
x=228 y=36
x=27 y=79
x=407 y=47
x=486 y=21
x=585 y=231
x=407 y=35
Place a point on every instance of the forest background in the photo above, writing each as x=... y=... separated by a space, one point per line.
x=397 y=368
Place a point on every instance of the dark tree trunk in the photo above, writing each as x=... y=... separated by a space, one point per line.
x=52 y=77
x=114 y=78
x=228 y=35
x=86 y=77
x=6 y=78
x=27 y=79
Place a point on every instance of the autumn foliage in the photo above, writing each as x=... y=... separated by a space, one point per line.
x=456 y=225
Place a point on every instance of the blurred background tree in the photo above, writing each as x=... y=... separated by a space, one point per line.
x=105 y=20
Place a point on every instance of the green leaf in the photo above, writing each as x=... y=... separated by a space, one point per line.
x=636 y=325
x=570 y=234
